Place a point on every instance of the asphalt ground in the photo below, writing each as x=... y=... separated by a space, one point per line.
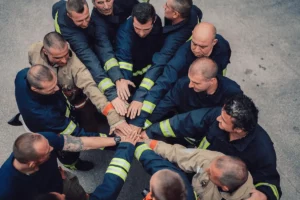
x=265 y=42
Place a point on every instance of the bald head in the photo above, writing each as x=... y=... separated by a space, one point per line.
x=54 y=40
x=205 y=67
x=37 y=74
x=205 y=31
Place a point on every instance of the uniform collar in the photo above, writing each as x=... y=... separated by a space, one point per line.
x=169 y=27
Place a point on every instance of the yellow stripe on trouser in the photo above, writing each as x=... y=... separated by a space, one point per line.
x=117 y=171
x=148 y=107
x=57 y=28
x=204 y=144
x=147 y=124
x=142 y=71
x=70 y=128
x=105 y=84
x=120 y=163
x=273 y=187
x=139 y=150
x=147 y=83
x=166 y=129
x=102 y=135
x=110 y=64
x=126 y=65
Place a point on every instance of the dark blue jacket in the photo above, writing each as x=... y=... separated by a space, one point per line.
x=255 y=149
x=152 y=163
x=115 y=174
x=87 y=45
x=45 y=112
x=135 y=53
x=174 y=37
x=176 y=68
x=184 y=99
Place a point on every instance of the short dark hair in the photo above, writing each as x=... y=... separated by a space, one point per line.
x=143 y=12
x=170 y=186
x=76 y=6
x=234 y=172
x=243 y=111
x=38 y=73
x=48 y=196
x=206 y=66
x=23 y=149
x=54 y=40
x=183 y=7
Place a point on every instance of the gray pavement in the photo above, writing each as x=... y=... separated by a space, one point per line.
x=265 y=41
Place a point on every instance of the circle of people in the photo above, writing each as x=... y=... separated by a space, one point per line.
x=117 y=79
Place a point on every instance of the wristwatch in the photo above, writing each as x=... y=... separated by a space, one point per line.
x=117 y=139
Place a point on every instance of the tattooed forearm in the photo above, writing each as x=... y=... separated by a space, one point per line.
x=73 y=144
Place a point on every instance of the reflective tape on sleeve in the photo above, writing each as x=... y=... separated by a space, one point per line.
x=105 y=84
x=57 y=28
x=67 y=112
x=126 y=65
x=102 y=135
x=204 y=144
x=224 y=71
x=147 y=124
x=166 y=129
x=70 y=128
x=148 y=107
x=273 y=188
x=120 y=163
x=139 y=150
x=117 y=171
x=142 y=71
x=147 y=83
x=110 y=64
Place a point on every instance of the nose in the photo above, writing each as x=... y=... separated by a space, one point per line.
x=142 y=34
x=56 y=88
x=191 y=85
x=64 y=60
x=105 y=5
x=219 y=118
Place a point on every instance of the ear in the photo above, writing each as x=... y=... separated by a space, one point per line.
x=31 y=164
x=45 y=51
x=215 y=42
x=69 y=15
x=176 y=15
x=154 y=19
x=225 y=188
x=33 y=89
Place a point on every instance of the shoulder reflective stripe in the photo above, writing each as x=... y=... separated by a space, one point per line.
x=273 y=187
x=148 y=107
x=102 y=135
x=147 y=124
x=126 y=65
x=67 y=112
x=117 y=171
x=224 y=71
x=110 y=64
x=147 y=83
x=140 y=149
x=120 y=163
x=166 y=129
x=105 y=84
x=203 y=144
x=57 y=28
x=142 y=71
x=190 y=140
x=70 y=128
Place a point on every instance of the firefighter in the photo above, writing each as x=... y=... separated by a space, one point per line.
x=73 y=22
x=204 y=43
x=232 y=130
x=181 y=17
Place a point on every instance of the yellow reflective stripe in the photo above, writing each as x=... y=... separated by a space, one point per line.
x=110 y=64
x=120 y=163
x=148 y=107
x=117 y=171
x=142 y=71
x=273 y=187
x=203 y=144
x=147 y=124
x=166 y=129
x=67 y=112
x=126 y=65
x=144 y=1
x=102 y=135
x=139 y=150
x=147 y=83
x=195 y=193
x=105 y=84
x=224 y=71
x=57 y=28
x=70 y=128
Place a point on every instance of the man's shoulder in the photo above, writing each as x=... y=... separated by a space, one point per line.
x=222 y=44
x=58 y=6
x=21 y=77
x=229 y=85
x=55 y=140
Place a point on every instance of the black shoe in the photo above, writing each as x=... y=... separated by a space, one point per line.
x=81 y=165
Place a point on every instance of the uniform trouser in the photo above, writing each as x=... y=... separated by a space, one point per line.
x=72 y=188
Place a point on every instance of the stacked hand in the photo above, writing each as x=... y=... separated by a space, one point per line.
x=134 y=109
x=123 y=88
x=120 y=106
x=122 y=129
x=133 y=139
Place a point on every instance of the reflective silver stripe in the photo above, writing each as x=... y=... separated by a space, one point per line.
x=110 y=64
x=142 y=71
x=70 y=128
x=105 y=84
x=147 y=83
x=148 y=107
x=126 y=65
x=117 y=171
x=121 y=163
x=147 y=124
x=139 y=150
x=166 y=129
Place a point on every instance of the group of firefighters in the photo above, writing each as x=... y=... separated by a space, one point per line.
x=117 y=79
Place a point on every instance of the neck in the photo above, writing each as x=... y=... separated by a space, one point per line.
x=212 y=89
x=177 y=20
x=23 y=168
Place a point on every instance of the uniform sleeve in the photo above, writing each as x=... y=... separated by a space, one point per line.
x=191 y=124
x=115 y=174
x=104 y=49
x=80 y=46
x=152 y=163
x=123 y=49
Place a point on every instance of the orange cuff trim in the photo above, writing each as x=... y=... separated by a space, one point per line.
x=153 y=144
x=107 y=108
